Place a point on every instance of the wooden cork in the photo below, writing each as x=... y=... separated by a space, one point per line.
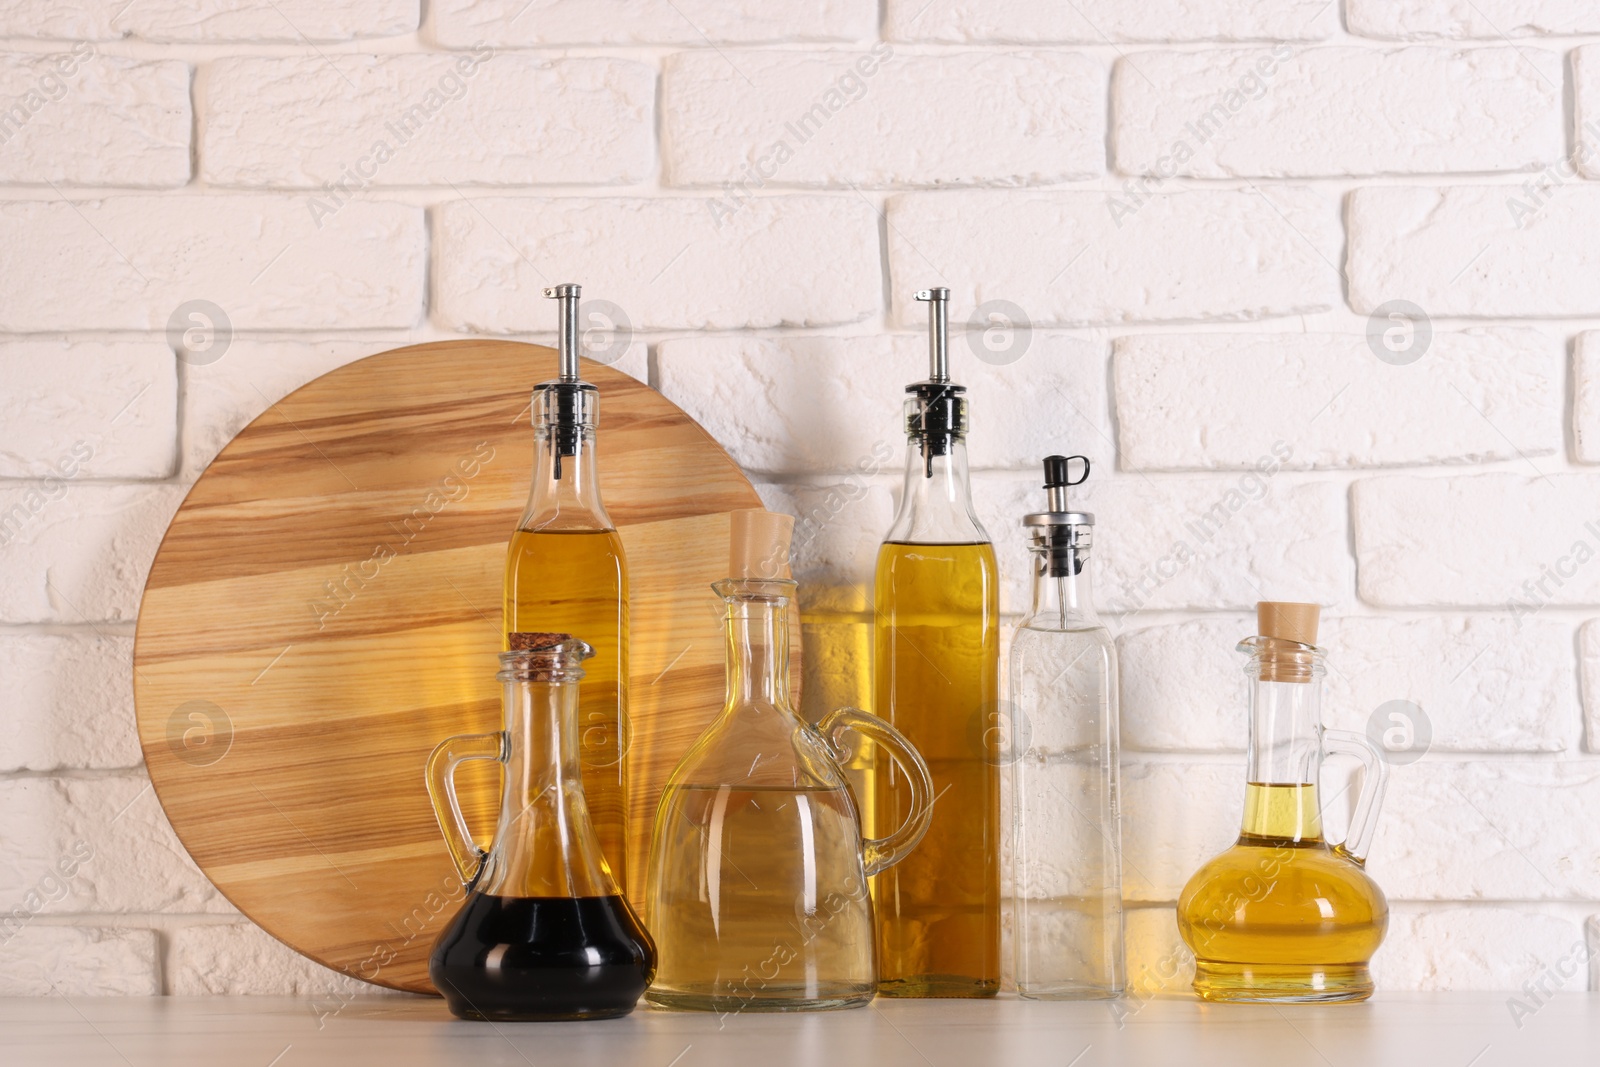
x=758 y=544
x=1288 y=622
x=1286 y=626
x=532 y=642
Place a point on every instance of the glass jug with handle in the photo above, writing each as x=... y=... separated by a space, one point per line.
x=757 y=887
x=545 y=933
x=1283 y=915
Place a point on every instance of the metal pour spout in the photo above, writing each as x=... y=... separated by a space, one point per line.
x=938 y=300
x=567 y=293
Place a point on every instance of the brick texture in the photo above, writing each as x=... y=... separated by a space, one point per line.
x=518 y=23
x=476 y=118
x=1475 y=396
x=692 y=263
x=267 y=262
x=1504 y=251
x=80 y=118
x=202 y=21
x=1281 y=112
x=1118 y=257
x=796 y=118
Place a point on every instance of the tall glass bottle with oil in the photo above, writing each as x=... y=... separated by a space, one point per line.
x=936 y=663
x=565 y=571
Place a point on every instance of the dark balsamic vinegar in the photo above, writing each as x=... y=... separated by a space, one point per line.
x=543 y=958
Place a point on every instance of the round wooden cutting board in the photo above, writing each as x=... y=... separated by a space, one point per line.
x=326 y=607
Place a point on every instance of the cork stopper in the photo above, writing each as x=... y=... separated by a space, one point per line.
x=543 y=657
x=1288 y=622
x=758 y=545
x=532 y=642
x=1284 y=627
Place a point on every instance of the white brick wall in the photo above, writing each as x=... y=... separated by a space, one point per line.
x=1278 y=112
x=795 y=118
x=1175 y=232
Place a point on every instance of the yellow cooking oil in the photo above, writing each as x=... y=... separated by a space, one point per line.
x=936 y=677
x=576 y=582
x=1281 y=915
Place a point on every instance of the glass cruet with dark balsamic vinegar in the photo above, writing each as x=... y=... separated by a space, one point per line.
x=545 y=932
x=565 y=570
x=936 y=666
x=1283 y=915
x=757 y=884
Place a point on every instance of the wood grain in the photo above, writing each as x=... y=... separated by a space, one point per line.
x=326 y=607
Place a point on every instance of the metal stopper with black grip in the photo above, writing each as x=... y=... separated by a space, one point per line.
x=936 y=409
x=1064 y=536
x=569 y=404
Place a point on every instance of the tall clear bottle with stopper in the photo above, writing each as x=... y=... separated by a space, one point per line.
x=1283 y=915
x=566 y=571
x=1066 y=836
x=936 y=666
x=757 y=888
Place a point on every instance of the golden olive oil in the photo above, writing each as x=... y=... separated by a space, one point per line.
x=936 y=677
x=576 y=582
x=1281 y=915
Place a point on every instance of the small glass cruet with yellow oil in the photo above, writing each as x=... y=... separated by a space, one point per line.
x=1283 y=915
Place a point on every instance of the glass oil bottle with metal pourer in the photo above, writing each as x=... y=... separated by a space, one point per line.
x=757 y=886
x=1066 y=840
x=545 y=932
x=1283 y=915
x=935 y=666
x=565 y=570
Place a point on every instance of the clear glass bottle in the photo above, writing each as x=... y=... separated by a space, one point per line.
x=936 y=667
x=1282 y=915
x=1066 y=834
x=565 y=570
x=545 y=932
x=757 y=885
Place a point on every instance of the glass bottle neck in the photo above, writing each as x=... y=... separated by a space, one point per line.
x=566 y=487
x=936 y=501
x=541 y=734
x=758 y=652
x=1062 y=600
x=544 y=843
x=1285 y=756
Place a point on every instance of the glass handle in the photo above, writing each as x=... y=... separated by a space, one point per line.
x=881 y=853
x=446 y=756
x=1374 y=779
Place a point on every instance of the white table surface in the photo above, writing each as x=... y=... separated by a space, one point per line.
x=1414 y=1030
